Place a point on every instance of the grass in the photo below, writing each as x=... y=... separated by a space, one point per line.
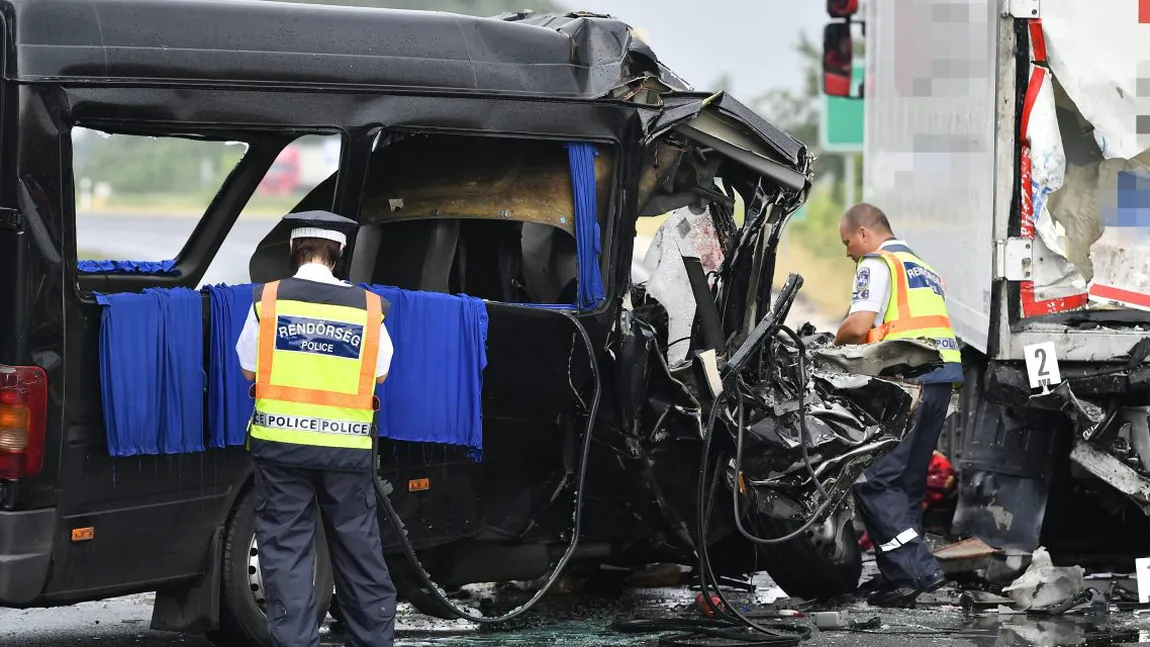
x=190 y=204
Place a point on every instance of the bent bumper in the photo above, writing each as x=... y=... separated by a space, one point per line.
x=25 y=553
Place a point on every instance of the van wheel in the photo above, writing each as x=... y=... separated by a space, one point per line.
x=823 y=562
x=243 y=610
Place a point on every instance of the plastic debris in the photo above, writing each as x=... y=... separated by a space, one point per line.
x=1044 y=584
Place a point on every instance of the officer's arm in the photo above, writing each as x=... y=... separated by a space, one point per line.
x=854 y=328
x=250 y=376
x=383 y=359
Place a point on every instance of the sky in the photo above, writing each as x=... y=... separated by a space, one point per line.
x=752 y=40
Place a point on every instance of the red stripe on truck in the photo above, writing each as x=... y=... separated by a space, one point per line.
x=1031 y=307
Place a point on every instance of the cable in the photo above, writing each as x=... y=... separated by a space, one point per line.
x=382 y=492
x=806 y=434
x=700 y=627
x=784 y=635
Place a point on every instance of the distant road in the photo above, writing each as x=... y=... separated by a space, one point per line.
x=139 y=238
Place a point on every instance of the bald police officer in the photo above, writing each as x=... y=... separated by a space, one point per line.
x=898 y=296
x=316 y=347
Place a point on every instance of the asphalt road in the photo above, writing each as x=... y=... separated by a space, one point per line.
x=139 y=238
x=583 y=620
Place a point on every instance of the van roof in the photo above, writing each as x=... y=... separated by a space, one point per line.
x=263 y=43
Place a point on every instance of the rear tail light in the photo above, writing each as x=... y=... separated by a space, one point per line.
x=23 y=407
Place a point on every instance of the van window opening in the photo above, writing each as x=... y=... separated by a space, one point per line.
x=138 y=198
x=493 y=218
x=298 y=170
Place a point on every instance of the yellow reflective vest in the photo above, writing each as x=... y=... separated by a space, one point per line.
x=315 y=374
x=917 y=305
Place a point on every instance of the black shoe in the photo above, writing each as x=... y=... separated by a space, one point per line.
x=901 y=596
x=933 y=583
x=875 y=583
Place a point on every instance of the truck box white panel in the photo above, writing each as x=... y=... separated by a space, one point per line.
x=930 y=141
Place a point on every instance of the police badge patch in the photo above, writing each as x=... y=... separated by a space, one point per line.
x=862 y=284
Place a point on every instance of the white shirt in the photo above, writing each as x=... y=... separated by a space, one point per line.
x=872 y=286
x=248 y=344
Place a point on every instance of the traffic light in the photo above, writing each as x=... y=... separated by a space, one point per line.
x=842 y=8
x=838 y=58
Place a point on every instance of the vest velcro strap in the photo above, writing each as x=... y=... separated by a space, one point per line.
x=315 y=396
x=908 y=325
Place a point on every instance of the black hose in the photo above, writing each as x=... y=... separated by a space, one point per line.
x=806 y=434
x=779 y=635
x=695 y=628
x=382 y=491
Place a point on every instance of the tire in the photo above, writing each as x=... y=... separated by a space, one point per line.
x=408 y=588
x=816 y=565
x=243 y=621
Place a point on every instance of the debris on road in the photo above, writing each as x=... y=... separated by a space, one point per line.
x=1044 y=584
x=968 y=555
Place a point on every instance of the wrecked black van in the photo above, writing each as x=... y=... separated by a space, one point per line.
x=506 y=159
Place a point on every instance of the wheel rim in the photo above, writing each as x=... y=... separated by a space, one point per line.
x=256 y=578
x=829 y=537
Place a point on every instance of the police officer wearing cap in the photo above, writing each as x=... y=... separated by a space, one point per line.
x=316 y=347
x=898 y=296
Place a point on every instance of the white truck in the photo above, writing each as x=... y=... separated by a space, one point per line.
x=1007 y=140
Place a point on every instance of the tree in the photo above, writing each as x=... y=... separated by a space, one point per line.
x=798 y=112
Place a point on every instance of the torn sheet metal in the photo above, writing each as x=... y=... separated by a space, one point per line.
x=1084 y=414
x=1054 y=275
x=1121 y=254
x=888 y=357
x=1098 y=220
x=968 y=555
x=685 y=233
x=1093 y=52
x=1111 y=470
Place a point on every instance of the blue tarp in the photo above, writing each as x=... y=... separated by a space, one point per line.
x=151 y=370
x=127 y=267
x=229 y=402
x=432 y=393
x=587 y=235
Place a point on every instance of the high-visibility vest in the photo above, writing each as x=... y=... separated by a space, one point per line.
x=917 y=305
x=315 y=374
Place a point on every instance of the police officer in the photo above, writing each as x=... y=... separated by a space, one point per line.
x=316 y=347
x=898 y=296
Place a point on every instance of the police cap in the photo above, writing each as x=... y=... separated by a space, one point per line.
x=320 y=224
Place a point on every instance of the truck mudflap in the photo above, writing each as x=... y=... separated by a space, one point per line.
x=1109 y=440
x=25 y=554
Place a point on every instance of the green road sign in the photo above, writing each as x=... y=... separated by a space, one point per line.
x=841 y=122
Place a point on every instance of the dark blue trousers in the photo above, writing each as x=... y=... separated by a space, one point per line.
x=891 y=492
x=285 y=521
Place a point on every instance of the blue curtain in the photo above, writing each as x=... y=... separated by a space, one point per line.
x=587 y=235
x=434 y=386
x=127 y=267
x=153 y=377
x=229 y=402
x=151 y=369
